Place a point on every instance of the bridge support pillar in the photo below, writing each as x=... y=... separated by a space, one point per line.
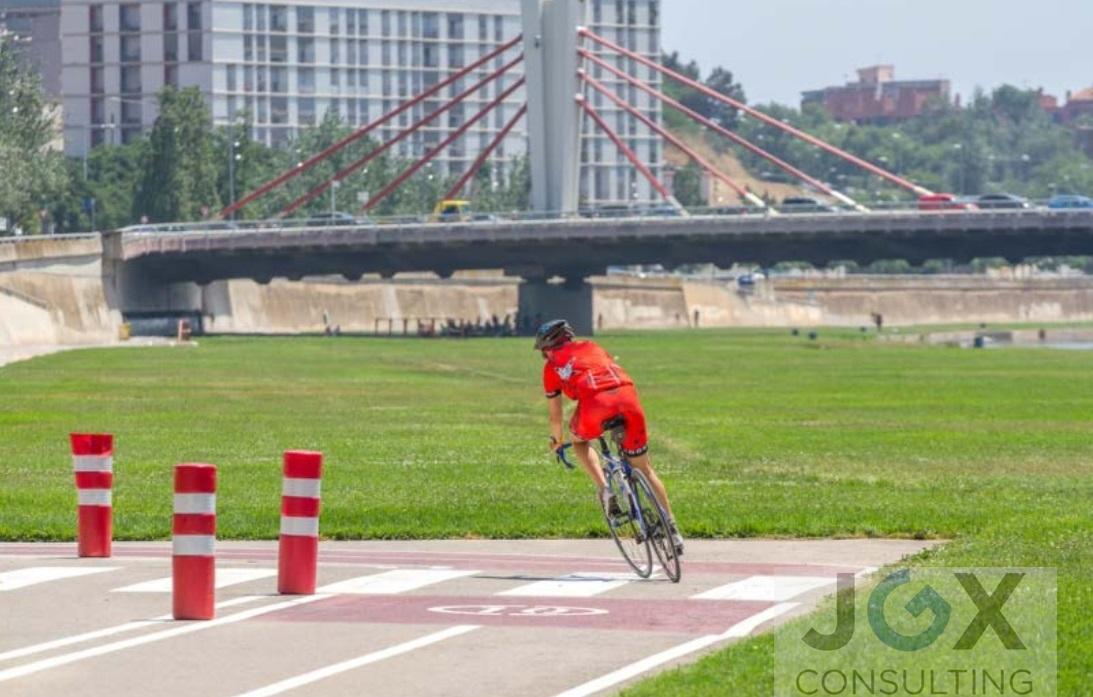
x=542 y=301
x=554 y=117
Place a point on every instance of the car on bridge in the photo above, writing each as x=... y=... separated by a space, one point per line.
x=997 y=202
x=1063 y=201
x=335 y=218
x=945 y=202
x=804 y=204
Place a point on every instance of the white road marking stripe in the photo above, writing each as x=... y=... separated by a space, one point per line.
x=633 y=670
x=578 y=585
x=193 y=545
x=94 y=497
x=21 y=578
x=187 y=628
x=299 y=527
x=93 y=463
x=375 y=657
x=195 y=504
x=224 y=577
x=392 y=582
x=110 y=631
x=772 y=589
x=302 y=488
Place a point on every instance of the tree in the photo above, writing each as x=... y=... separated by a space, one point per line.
x=721 y=81
x=179 y=167
x=687 y=186
x=31 y=175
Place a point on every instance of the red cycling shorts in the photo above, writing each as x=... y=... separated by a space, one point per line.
x=592 y=412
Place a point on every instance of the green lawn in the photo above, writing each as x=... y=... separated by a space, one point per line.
x=755 y=433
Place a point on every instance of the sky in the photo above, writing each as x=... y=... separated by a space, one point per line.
x=778 y=48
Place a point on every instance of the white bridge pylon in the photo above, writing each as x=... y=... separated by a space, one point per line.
x=554 y=116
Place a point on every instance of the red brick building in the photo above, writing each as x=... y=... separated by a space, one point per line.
x=1077 y=105
x=877 y=97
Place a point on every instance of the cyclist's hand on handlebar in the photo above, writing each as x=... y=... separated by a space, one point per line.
x=556 y=446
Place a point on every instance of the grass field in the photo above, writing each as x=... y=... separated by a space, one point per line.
x=755 y=433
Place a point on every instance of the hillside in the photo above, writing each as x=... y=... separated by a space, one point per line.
x=730 y=165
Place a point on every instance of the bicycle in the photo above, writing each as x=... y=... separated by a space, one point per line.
x=640 y=527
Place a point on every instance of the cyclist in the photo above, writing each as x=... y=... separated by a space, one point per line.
x=583 y=371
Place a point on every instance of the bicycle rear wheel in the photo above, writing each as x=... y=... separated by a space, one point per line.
x=656 y=523
x=626 y=528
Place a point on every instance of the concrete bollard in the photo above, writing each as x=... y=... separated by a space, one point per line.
x=193 y=564
x=93 y=463
x=298 y=557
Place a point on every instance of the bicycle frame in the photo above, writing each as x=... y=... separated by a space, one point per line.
x=612 y=463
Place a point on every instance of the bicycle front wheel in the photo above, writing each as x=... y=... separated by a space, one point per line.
x=656 y=524
x=626 y=527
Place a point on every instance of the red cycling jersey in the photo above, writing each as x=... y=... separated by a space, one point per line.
x=586 y=373
x=581 y=369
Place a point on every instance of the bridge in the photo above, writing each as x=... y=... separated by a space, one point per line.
x=573 y=249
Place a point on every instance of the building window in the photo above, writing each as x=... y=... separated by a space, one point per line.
x=248 y=17
x=130 y=49
x=430 y=26
x=278 y=18
x=248 y=78
x=305 y=50
x=94 y=18
x=260 y=17
x=455 y=56
x=455 y=26
x=230 y=76
x=430 y=56
x=335 y=78
x=279 y=110
x=362 y=22
x=97 y=81
x=336 y=51
x=278 y=80
x=351 y=52
x=193 y=16
x=350 y=22
x=305 y=80
x=248 y=47
x=261 y=74
x=129 y=17
x=170 y=16
x=278 y=50
x=260 y=44
x=130 y=79
x=654 y=13
x=170 y=48
x=306 y=112
x=336 y=20
x=305 y=20
x=385 y=22
x=483 y=28
x=194 y=46
x=98 y=113
x=498 y=28
x=96 y=49
x=130 y=112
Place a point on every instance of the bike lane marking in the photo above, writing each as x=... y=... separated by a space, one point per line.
x=737 y=631
x=360 y=661
x=773 y=589
x=394 y=582
x=583 y=584
x=22 y=578
x=225 y=576
x=187 y=628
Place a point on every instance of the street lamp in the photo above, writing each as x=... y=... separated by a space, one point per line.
x=233 y=157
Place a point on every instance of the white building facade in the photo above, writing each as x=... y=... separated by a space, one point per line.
x=282 y=67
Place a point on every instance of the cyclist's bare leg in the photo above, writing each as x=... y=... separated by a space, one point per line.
x=590 y=460
x=643 y=465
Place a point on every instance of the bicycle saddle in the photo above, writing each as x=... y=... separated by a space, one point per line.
x=616 y=422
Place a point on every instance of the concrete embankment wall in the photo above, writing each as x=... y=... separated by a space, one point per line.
x=309 y=306
x=52 y=292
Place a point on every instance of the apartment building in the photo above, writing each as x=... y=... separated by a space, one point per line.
x=36 y=26
x=283 y=66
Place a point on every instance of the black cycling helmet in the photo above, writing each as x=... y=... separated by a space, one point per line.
x=553 y=334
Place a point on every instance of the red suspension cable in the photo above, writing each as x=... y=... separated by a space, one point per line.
x=403 y=135
x=625 y=149
x=694 y=115
x=413 y=169
x=365 y=130
x=485 y=154
x=668 y=136
x=756 y=114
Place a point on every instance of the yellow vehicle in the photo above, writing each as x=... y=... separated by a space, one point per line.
x=452 y=211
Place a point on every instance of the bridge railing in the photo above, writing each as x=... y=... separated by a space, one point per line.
x=605 y=213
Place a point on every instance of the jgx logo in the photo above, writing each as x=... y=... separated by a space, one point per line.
x=989 y=606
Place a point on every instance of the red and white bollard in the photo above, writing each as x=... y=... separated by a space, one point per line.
x=298 y=558
x=194 y=560
x=93 y=462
